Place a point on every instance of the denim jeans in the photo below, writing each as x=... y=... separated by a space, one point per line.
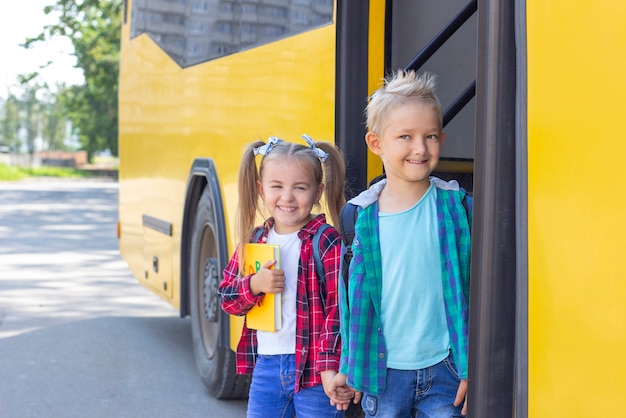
x=272 y=392
x=425 y=393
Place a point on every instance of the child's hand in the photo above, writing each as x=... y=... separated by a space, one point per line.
x=267 y=280
x=461 y=396
x=338 y=391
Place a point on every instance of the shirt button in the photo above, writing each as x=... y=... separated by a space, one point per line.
x=381 y=355
x=379 y=330
x=356 y=242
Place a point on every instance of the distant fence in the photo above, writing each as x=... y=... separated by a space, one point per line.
x=75 y=159
x=20 y=160
x=62 y=158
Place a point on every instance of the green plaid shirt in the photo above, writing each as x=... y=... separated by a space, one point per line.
x=364 y=354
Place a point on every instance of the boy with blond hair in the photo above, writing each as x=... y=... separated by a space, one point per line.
x=404 y=317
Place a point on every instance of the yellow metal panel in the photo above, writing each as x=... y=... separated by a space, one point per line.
x=376 y=70
x=157 y=261
x=576 y=207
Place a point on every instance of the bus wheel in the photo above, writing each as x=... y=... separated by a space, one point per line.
x=214 y=359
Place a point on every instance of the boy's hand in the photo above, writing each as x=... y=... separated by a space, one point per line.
x=338 y=391
x=267 y=280
x=461 y=396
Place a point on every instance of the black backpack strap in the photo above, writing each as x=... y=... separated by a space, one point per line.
x=258 y=231
x=317 y=257
x=347 y=219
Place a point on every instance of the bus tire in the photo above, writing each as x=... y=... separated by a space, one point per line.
x=214 y=359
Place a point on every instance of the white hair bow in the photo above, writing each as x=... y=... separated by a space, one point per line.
x=322 y=155
x=265 y=149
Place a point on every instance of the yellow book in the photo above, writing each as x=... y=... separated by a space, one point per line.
x=266 y=316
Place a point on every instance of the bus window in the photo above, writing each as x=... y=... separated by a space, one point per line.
x=195 y=31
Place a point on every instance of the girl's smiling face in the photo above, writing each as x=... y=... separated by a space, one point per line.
x=289 y=192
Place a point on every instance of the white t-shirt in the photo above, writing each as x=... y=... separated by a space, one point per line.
x=284 y=340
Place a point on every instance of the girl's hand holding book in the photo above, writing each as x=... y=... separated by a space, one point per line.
x=267 y=279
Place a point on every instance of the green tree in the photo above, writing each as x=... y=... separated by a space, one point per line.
x=10 y=123
x=93 y=27
x=31 y=111
x=40 y=113
x=53 y=130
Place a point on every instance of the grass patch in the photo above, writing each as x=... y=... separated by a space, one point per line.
x=13 y=173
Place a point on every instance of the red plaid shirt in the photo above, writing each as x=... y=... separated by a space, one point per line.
x=318 y=346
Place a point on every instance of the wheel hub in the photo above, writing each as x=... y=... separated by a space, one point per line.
x=211 y=298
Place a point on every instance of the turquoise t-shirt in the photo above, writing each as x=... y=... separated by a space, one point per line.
x=413 y=311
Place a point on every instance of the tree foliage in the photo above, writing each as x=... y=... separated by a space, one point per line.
x=30 y=107
x=35 y=120
x=10 y=120
x=53 y=129
x=24 y=114
x=93 y=27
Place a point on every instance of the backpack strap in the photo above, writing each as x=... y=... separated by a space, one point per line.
x=319 y=265
x=258 y=231
x=347 y=219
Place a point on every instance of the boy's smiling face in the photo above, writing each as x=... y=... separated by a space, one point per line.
x=410 y=142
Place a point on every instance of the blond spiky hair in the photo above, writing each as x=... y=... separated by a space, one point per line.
x=399 y=88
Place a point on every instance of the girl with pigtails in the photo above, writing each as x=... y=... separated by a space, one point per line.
x=291 y=368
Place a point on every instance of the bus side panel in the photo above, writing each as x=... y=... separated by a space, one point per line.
x=169 y=116
x=576 y=207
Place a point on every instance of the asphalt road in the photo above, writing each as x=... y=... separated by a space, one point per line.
x=79 y=337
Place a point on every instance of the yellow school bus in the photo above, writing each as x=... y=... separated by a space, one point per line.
x=533 y=97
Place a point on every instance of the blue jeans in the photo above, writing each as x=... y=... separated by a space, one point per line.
x=427 y=393
x=272 y=392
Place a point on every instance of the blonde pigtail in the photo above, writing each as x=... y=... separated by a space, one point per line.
x=248 y=198
x=335 y=175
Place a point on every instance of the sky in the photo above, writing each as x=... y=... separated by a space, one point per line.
x=21 y=19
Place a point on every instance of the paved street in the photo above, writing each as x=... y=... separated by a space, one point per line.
x=79 y=337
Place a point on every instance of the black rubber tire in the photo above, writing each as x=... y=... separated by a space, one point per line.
x=215 y=361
